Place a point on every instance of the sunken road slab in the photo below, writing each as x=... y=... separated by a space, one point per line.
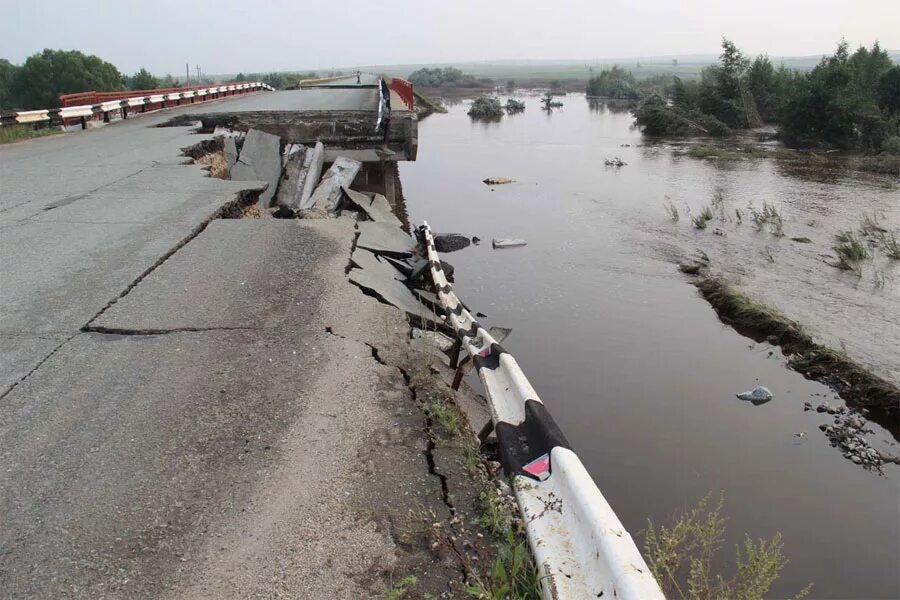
x=385 y=238
x=237 y=273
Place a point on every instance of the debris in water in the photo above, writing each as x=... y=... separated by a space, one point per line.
x=690 y=269
x=450 y=242
x=758 y=395
x=615 y=162
x=508 y=243
x=497 y=180
x=476 y=240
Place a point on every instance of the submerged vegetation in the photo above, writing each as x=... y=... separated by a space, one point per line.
x=447 y=77
x=487 y=108
x=683 y=556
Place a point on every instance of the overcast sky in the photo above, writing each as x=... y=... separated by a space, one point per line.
x=228 y=36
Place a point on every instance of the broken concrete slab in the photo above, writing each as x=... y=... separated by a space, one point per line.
x=508 y=242
x=311 y=179
x=375 y=206
x=260 y=160
x=497 y=180
x=293 y=169
x=450 y=242
x=328 y=194
x=386 y=283
x=231 y=152
x=196 y=289
x=383 y=238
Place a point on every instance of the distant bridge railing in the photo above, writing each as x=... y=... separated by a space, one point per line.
x=404 y=89
x=581 y=548
x=82 y=106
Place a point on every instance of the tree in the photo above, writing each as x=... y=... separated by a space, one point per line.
x=8 y=72
x=44 y=76
x=144 y=80
x=613 y=83
x=889 y=91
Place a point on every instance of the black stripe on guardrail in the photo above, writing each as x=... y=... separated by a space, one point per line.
x=444 y=288
x=491 y=360
x=528 y=441
x=472 y=331
x=436 y=265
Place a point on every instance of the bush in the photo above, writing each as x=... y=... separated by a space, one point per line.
x=486 y=107
x=657 y=118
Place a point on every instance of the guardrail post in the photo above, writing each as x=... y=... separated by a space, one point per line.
x=83 y=122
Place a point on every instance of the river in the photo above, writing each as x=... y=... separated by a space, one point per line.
x=634 y=365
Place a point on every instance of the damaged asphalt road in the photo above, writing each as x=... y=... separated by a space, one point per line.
x=198 y=407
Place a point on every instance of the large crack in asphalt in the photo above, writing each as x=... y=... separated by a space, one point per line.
x=240 y=197
x=138 y=332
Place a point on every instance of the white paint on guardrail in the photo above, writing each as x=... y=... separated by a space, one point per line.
x=88 y=110
x=580 y=546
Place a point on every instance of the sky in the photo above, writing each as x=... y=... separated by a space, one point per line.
x=231 y=36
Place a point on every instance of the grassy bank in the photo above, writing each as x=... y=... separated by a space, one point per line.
x=16 y=133
x=856 y=385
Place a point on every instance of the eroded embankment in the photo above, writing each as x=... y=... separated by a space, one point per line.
x=876 y=398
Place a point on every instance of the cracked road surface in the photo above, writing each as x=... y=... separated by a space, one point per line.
x=177 y=419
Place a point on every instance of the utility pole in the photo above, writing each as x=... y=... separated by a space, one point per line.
x=198 y=74
x=187 y=72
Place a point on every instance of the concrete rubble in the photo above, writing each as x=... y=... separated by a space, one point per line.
x=327 y=196
x=508 y=242
x=259 y=160
x=384 y=238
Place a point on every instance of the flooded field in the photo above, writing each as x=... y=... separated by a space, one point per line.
x=634 y=364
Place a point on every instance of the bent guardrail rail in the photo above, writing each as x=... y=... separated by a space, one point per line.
x=580 y=546
x=103 y=103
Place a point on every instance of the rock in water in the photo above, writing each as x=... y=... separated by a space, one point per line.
x=758 y=395
x=508 y=243
x=450 y=242
x=497 y=180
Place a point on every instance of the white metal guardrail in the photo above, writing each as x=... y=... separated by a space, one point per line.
x=579 y=544
x=55 y=115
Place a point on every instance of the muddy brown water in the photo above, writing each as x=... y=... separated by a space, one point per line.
x=634 y=364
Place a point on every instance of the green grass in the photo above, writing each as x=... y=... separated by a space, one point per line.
x=683 y=556
x=399 y=590
x=513 y=575
x=446 y=416
x=16 y=133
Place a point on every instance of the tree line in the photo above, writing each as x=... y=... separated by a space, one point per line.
x=848 y=101
x=447 y=77
x=43 y=77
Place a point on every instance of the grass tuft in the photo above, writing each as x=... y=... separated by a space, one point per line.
x=682 y=558
x=513 y=576
x=850 y=251
x=399 y=590
x=768 y=219
x=673 y=211
x=890 y=245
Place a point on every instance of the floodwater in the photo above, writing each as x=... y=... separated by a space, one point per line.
x=634 y=364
